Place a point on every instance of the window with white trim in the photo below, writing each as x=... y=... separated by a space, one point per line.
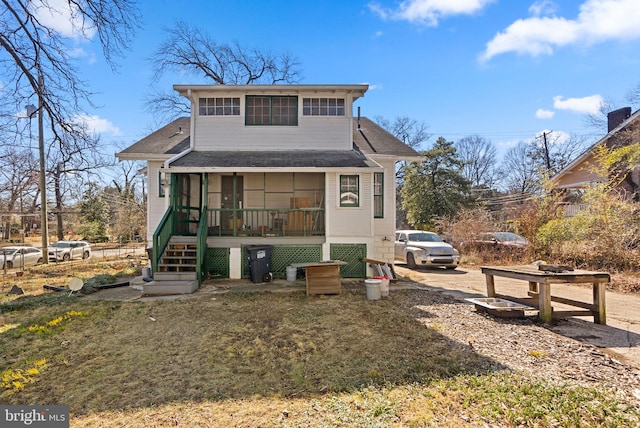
x=323 y=106
x=378 y=195
x=221 y=106
x=271 y=110
x=349 y=191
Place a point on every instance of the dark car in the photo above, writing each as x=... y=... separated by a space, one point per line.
x=504 y=239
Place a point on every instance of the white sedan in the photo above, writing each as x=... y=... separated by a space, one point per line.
x=20 y=256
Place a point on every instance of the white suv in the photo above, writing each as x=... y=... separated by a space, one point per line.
x=67 y=250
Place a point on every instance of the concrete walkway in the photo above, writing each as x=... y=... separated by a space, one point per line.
x=621 y=335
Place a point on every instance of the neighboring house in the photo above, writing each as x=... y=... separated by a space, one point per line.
x=289 y=166
x=623 y=129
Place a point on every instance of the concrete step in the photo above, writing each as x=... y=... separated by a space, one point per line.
x=174 y=276
x=155 y=288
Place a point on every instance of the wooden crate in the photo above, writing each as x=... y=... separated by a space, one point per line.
x=323 y=279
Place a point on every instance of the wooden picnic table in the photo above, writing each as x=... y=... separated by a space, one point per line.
x=322 y=277
x=540 y=290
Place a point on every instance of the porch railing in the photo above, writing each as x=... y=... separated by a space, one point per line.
x=265 y=222
x=161 y=237
x=201 y=247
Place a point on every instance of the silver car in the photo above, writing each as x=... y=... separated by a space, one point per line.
x=419 y=248
x=67 y=250
x=20 y=256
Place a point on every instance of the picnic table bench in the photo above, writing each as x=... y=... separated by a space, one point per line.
x=540 y=290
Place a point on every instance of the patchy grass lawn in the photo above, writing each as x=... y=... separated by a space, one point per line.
x=270 y=359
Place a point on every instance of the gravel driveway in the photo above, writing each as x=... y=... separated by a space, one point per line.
x=574 y=348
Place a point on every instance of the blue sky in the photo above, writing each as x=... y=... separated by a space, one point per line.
x=502 y=69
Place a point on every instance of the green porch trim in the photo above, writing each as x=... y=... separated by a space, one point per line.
x=201 y=235
x=161 y=237
x=353 y=255
x=216 y=263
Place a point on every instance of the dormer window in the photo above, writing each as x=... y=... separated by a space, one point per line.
x=323 y=106
x=219 y=106
x=271 y=110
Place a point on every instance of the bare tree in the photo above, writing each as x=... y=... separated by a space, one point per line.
x=552 y=151
x=189 y=50
x=598 y=120
x=521 y=171
x=633 y=95
x=36 y=38
x=479 y=157
x=129 y=202
x=35 y=60
x=413 y=134
x=18 y=184
x=410 y=131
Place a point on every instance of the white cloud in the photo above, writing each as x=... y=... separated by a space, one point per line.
x=588 y=105
x=98 y=125
x=543 y=7
x=429 y=12
x=64 y=18
x=544 y=114
x=597 y=21
x=507 y=144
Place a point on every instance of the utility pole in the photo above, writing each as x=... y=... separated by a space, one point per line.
x=43 y=178
x=547 y=158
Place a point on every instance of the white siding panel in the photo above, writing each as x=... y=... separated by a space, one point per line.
x=386 y=226
x=349 y=222
x=156 y=206
x=224 y=133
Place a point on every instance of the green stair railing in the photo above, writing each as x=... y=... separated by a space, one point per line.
x=161 y=237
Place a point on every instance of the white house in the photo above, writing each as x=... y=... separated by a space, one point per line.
x=286 y=166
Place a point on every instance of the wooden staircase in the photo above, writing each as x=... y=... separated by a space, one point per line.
x=176 y=272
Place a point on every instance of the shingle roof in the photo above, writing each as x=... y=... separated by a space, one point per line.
x=369 y=139
x=372 y=139
x=167 y=141
x=274 y=159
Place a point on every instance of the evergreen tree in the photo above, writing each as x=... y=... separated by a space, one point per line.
x=436 y=187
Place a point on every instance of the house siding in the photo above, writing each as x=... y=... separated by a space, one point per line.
x=384 y=228
x=580 y=175
x=223 y=133
x=351 y=221
x=156 y=206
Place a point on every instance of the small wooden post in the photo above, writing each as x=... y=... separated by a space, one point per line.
x=491 y=286
x=544 y=303
x=600 y=313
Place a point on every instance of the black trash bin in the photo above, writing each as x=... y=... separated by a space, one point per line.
x=259 y=262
